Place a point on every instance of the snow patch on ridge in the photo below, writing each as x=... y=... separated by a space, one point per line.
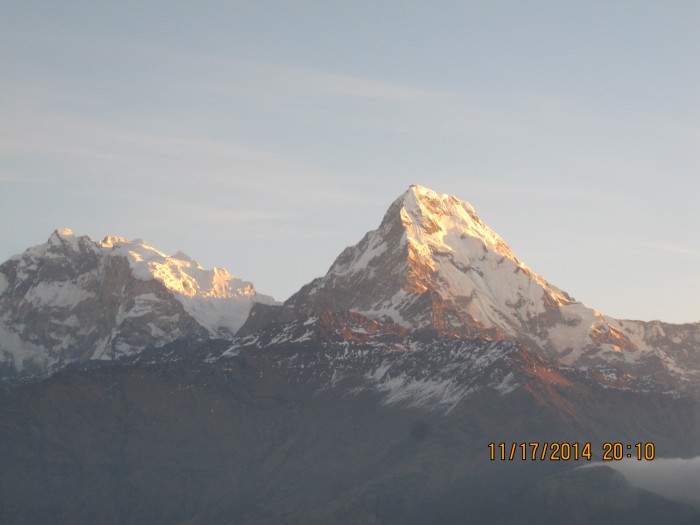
x=24 y=353
x=418 y=392
x=57 y=294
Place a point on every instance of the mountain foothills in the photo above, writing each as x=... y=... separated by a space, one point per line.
x=142 y=388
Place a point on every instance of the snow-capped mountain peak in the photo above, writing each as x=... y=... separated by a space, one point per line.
x=179 y=272
x=62 y=236
x=61 y=240
x=432 y=263
x=434 y=216
x=438 y=224
x=72 y=298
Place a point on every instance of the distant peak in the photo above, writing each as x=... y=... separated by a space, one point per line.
x=420 y=201
x=61 y=236
x=111 y=240
x=435 y=220
x=63 y=232
x=182 y=256
x=421 y=193
x=417 y=189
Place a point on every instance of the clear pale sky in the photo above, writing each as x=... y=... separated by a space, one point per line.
x=264 y=137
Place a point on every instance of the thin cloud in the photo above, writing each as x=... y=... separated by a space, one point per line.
x=60 y=133
x=27 y=179
x=235 y=76
x=228 y=75
x=202 y=214
x=317 y=82
x=167 y=144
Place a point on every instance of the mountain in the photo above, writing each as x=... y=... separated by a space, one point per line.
x=72 y=299
x=327 y=429
x=432 y=263
x=369 y=396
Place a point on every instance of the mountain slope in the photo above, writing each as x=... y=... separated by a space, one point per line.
x=72 y=299
x=203 y=433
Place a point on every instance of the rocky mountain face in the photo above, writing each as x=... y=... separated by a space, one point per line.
x=74 y=299
x=180 y=395
x=423 y=368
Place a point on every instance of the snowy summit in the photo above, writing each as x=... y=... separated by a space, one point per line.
x=72 y=298
x=432 y=263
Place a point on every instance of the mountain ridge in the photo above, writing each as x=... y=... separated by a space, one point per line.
x=432 y=264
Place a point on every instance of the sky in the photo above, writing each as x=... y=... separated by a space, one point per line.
x=264 y=137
